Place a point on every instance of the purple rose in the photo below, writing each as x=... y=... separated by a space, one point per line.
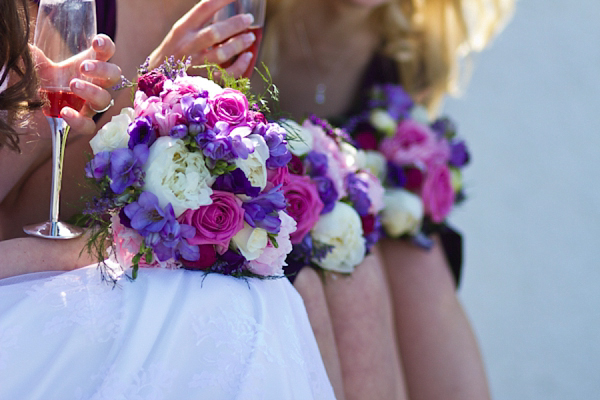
x=151 y=83
x=230 y=106
x=216 y=223
x=304 y=205
x=438 y=194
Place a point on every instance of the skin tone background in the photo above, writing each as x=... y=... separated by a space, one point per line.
x=532 y=219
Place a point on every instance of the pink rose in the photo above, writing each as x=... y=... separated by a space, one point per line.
x=304 y=205
x=413 y=143
x=216 y=223
x=437 y=193
x=208 y=256
x=230 y=106
x=272 y=259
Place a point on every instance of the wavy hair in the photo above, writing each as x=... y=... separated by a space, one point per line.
x=18 y=99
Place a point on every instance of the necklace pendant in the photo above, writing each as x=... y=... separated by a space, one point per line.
x=320 y=93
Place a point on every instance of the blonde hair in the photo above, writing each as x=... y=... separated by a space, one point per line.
x=431 y=40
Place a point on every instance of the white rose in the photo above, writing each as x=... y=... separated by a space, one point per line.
x=420 y=114
x=251 y=242
x=376 y=163
x=341 y=228
x=353 y=158
x=114 y=134
x=177 y=176
x=299 y=140
x=254 y=166
x=403 y=212
x=383 y=121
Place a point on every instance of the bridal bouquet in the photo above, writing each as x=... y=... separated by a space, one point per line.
x=334 y=201
x=186 y=176
x=419 y=161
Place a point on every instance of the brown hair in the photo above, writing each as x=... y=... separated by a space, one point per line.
x=21 y=97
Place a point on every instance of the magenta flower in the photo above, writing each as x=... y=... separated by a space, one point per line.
x=413 y=144
x=218 y=222
x=304 y=205
x=437 y=193
x=229 y=106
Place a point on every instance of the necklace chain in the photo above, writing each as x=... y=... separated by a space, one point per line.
x=312 y=67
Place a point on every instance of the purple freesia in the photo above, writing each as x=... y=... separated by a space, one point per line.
x=141 y=131
x=126 y=167
x=394 y=98
x=230 y=263
x=358 y=193
x=98 y=167
x=327 y=192
x=459 y=154
x=235 y=182
x=316 y=163
x=179 y=131
x=262 y=210
x=395 y=175
x=173 y=243
x=279 y=154
x=194 y=109
x=145 y=215
x=444 y=127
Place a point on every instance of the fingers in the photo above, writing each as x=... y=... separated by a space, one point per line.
x=95 y=97
x=104 y=47
x=103 y=74
x=240 y=65
x=79 y=123
x=230 y=48
x=220 y=31
x=201 y=14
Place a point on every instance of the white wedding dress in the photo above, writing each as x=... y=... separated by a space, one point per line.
x=170 y=334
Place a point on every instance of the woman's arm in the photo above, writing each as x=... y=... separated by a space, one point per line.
x=25 y=255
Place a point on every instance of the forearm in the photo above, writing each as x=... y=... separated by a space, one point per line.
x=27 y=255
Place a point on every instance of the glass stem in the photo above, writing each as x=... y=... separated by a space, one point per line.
x=59 y=130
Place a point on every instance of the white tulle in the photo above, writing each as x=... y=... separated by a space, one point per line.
x=171 y=334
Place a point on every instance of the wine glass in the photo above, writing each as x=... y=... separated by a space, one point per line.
x=257 y=9
x=63 y=39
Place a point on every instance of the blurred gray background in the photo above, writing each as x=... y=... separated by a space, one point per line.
x=531 y=115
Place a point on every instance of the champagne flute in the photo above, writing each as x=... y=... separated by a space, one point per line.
x=257 y=9
x=63 y=39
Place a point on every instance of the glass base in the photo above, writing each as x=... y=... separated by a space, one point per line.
x=53 y=230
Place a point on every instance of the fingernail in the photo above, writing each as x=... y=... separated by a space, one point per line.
x=249 y=38
x=99 y=41
x=248 y=18
x=88 y=66
x=247 y=56
x=79 y=85
x=67 y=112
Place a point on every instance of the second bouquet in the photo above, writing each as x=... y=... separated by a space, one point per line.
x=333 y=198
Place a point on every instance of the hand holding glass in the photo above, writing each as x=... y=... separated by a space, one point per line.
x=63 y=39
x=257 y=9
